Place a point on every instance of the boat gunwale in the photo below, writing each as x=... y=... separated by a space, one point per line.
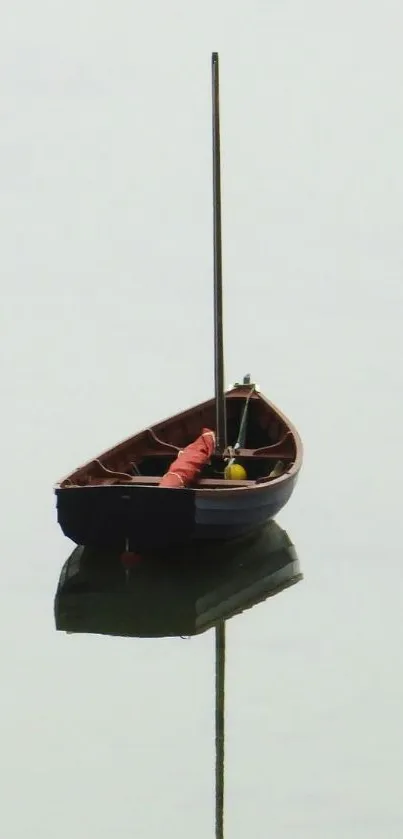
x=235 y=392
x=196 y=489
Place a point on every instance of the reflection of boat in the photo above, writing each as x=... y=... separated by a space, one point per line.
x=181 y=591
x=116 y=499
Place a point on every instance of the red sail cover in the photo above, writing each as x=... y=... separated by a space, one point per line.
x=190 y=461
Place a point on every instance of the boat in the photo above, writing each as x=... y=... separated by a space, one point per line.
x=180 y=591
x=117 y=500
x=214 y=471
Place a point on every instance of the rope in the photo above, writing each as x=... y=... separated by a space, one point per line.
x=242 y=427
x=162 y=442
x=232 y=451
x=125 y=474
x=111 y=471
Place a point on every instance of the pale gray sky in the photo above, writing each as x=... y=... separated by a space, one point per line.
x=106 y=280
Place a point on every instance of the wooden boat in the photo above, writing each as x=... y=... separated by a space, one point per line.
x=185 y=590
x=116 y=500
x=167 y=483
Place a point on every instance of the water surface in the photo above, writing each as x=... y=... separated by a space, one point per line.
x=105 y=267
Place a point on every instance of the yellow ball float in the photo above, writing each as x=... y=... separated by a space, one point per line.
x=235 y=472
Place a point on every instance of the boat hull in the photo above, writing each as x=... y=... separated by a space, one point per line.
x=105 y=505
x=132 y=517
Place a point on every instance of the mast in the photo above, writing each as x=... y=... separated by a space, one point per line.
x=221 y=424
x=219 y=728
x=221 y=440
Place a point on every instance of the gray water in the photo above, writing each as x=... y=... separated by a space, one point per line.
x=105 y=272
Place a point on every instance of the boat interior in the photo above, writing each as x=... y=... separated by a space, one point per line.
x=268 y=448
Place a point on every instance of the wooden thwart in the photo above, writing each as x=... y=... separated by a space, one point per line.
x=206 y=483
x=266 y=453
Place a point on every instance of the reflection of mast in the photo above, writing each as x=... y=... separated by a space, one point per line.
x=219 y=727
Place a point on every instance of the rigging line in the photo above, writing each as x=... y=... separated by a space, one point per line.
x=162 y=442
x=242 y=428
x=112 y=471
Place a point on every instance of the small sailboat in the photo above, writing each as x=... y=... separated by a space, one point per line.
x=215 y=471
x=118 y=500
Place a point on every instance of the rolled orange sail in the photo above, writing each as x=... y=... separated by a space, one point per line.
x=190 y=461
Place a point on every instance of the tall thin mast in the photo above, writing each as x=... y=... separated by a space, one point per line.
x=219 y=727
x=221 y=423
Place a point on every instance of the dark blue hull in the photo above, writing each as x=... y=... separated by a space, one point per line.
x=134 y=517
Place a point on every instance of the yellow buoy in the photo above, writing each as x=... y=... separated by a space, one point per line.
x=235 y=472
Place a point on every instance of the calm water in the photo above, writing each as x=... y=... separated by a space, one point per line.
x=105 y=267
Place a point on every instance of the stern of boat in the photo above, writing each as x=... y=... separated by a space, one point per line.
x=126 y=517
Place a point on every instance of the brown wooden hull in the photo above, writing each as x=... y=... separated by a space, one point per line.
x=98 y=506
